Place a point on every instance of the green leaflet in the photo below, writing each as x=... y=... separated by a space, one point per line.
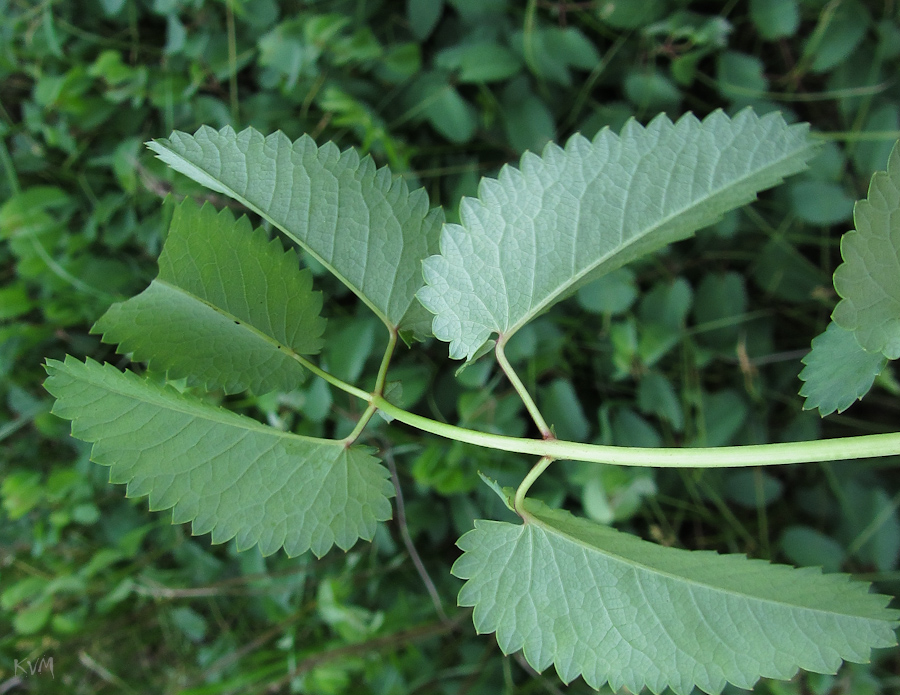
x=869 y=278
x=613 y=608
x=538 y=233
x=227 y=474
x=838 y=371
x=229 y=308
x=364 y=225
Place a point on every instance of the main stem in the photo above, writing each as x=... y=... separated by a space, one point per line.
x=866 y=446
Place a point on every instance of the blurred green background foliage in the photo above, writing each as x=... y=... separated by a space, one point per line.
x=698 y=345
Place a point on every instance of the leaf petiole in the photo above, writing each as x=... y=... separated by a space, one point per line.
x=331 y=379
x=385 y=361
x=360 y=425
x=525 y=485
x=530 y=405
x=379 y=389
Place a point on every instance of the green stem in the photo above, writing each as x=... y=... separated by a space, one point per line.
x=232 y=64
x=360 y=426
x=855 y=136
x=528 y=35
x=533 y=474
x=331 y=379
x=549 y=449
x=65 y=275
x=385 y=362
x=379 y=388
x=530 y=405
x=8 y=167
x=866 y=446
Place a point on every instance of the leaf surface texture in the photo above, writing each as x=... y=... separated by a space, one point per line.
x=537 y=233
x=228 y=309
x=838 y=371
x=225 y=473
x=613 y=608
x=363 y=224
x=869 y=278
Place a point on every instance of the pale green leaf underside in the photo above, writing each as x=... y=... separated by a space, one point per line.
x=538 y=233
x=838 y=371
x=225 y=473
x=364 y=225
x=869 y=278
x=228 y=309
x=613 y=608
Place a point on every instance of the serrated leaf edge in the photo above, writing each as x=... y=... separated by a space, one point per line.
x=215 y=414
x=365 y=168
x=484 y=627
x=632 y=130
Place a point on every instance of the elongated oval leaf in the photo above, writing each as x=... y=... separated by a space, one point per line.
x=838 y=371
x=869 y=278
x=225 y=473
x=613 y=608
x=229 y=308
x=538 y=233
x=364 y=225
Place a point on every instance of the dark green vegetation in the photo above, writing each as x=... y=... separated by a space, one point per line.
x=700 y=345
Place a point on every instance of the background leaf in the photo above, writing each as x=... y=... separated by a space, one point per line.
x=423 y=15
x=480 y=62
x=841 y=27
x=868 y=280
x=821 y=202
x=656 y=395
x=741 y=76
x=225 y=473
x=527 y=119
x=536 y=234
x=613 y=608
x=613 y=293
x=361 y=223
x=775 y=19
x=809 y=547
x=229 y=308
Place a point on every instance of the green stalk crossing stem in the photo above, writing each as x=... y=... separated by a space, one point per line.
x=379 y=389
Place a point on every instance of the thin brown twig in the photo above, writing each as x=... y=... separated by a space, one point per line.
x=256 y=643
x=413 y=634
x=163 y=189
x=408 y=542
x=540 y=678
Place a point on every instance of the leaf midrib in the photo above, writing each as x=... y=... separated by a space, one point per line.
x=173 y=402
x=156 y=146
x=547 y=528
x=253 y=330
x=552 y=298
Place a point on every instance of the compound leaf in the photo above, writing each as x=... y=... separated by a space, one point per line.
x=225 y=473
x=613 y=608
x=362 y=224
x=838 y=371
x=869 y=278
x=538 y=233
x=229 y=308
